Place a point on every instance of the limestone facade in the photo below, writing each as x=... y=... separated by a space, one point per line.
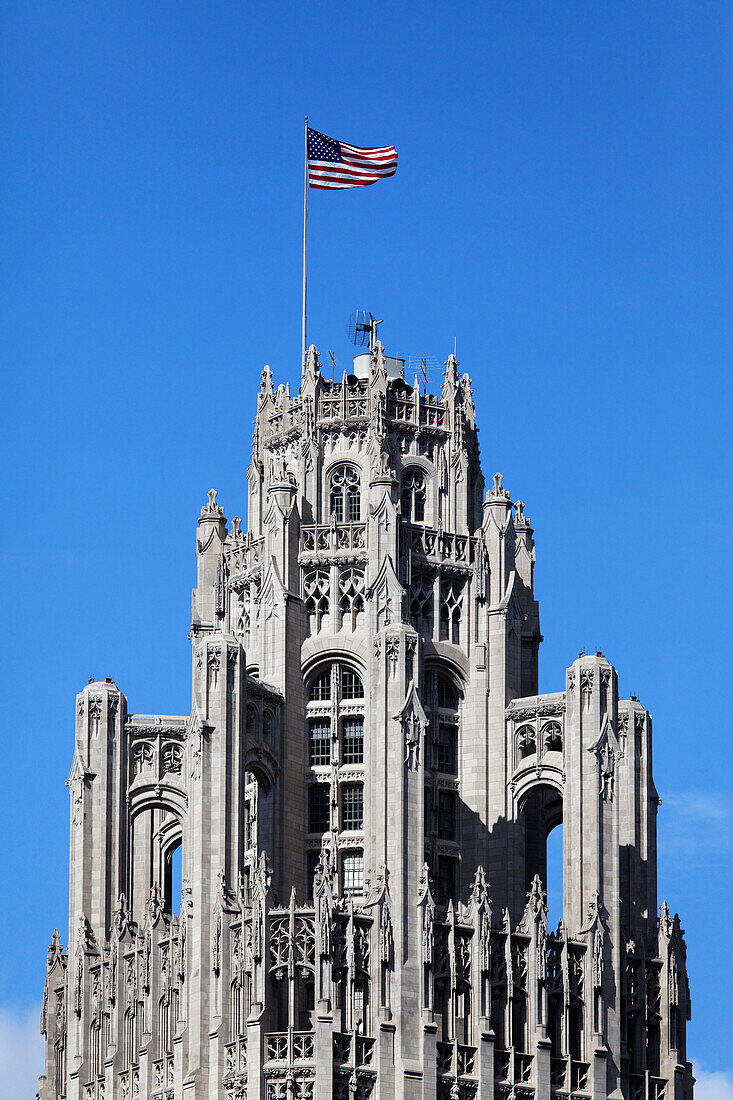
x=361 y=795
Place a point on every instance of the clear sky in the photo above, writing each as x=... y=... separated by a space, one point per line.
x=561 y=209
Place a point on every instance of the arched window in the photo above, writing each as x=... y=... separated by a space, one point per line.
x=345 y=495
x=351 y=685
x=526 y=742
x=552 y=737
x=447 y=696
x=451 y=610
x=173 y=878
x=351 y=589
x=421 y=603
x=413 y=495
x=316 y=596
x=321 y=687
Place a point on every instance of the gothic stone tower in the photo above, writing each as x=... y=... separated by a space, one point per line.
x=362 y=793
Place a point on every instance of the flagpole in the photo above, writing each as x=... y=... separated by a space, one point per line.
x=305 y=233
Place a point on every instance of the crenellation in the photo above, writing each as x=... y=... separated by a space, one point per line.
x=360 y=801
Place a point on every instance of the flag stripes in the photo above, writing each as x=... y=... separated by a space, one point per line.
x=335 y=165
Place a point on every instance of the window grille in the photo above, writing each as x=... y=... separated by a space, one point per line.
x=321 y=687
x=318 y=808
x=352 y=807
x=446 y=749
x=353 y=741
x=351 y=685
x=352 y=873
x=319 y=742
x=447 y=696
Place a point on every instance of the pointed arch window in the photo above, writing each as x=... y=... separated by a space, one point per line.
x=421 y=603
x=351 y=589
x=316 y=596
x=451 y=610
x=413 y=495
x=345 y=500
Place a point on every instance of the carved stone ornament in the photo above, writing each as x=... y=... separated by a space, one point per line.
x=414 y=723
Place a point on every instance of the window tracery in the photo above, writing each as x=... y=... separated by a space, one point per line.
x=351 y=589
x=345 y=496
x=413 y=495
x=421 y=603
x=316 y=594
x=451 y=610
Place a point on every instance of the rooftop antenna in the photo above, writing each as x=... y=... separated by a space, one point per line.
x=424 y=364
x=424 y=369
x=332 y=357
x=362 y=328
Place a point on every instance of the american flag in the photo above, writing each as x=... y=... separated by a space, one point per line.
x=334 y=164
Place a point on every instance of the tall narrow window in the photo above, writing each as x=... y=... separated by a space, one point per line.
x=353 y=741
x=413 y=495
x=316 y=596
x=446 y=749
x=451 y=607
x=318 y=808
x=311 y=862
x=345 y=497
x=445 y=881
x=351 y=598
x=319 y=738
x=352 y=807
x=421 y=603
x=173 y=879
x=352 y=872
x=447 y=815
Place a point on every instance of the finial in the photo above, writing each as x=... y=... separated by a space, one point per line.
x=211 y=510
x=266 y=381
x=498 y=492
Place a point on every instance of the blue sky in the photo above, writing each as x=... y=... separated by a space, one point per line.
x=562 y=209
